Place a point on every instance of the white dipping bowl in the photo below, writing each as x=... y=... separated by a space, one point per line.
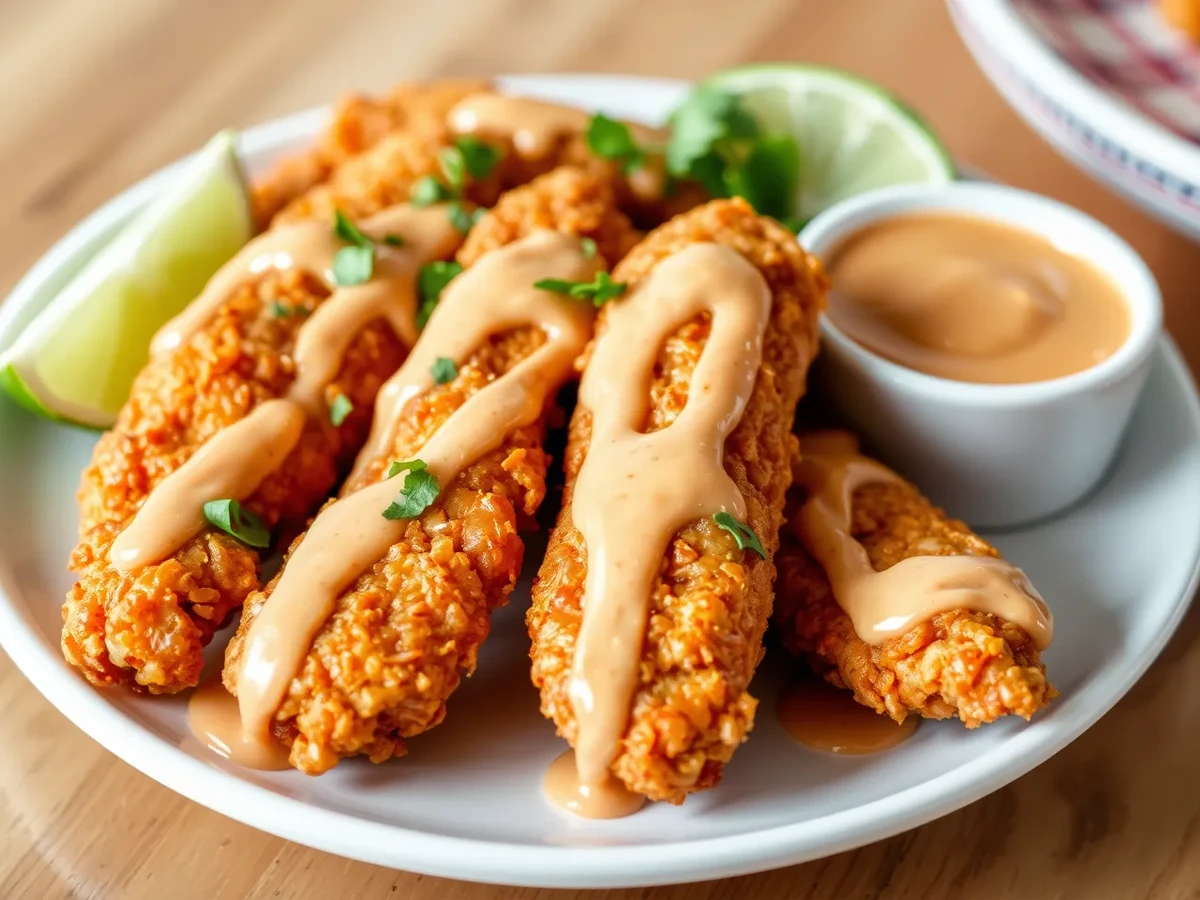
x=996 y=455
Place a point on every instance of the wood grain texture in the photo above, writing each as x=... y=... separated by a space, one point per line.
x=97 y=94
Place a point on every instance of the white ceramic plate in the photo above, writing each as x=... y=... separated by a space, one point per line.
x=1118 y=570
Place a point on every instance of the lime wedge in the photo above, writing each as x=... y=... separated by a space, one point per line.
x=77 y=360
x=853 y=135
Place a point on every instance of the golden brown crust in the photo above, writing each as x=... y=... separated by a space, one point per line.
x=967 y=664
x=382 y=668
x=359 y=123
x=147 y=629
x=710 y=603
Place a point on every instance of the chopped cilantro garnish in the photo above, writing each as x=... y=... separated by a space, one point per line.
x=419 y=490
x=339 y=409
x=393 y=240
x=443 y=370
x=478 y=158
x=599 y=291
x=348 y=231
x=284 y=310
x=588 y=246
x=431 y=280
x=453 y=167
x=745 y=537
x=461 y=219
x=613 y=140
x=233 y=519
x=718 y=143
x=428 y=191
x=353 y=265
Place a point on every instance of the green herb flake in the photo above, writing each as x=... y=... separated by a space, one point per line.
x=393 y=240
x=232 y=518
x=339 y=409
x=348 y=231
x=428 y=191
x=745 y=537
x=613 y=140
x=353 y=265
x=588 y=246
x=419 y=490
x=478 y=158
x=453 y=167
x=432 y=279
x=283 y=310
x=443 y=370
x=462 y=220
x=599 y=291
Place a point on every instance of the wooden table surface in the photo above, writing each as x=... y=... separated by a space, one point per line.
x=96 y=94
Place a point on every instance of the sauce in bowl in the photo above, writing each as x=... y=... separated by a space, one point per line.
x=968 y=299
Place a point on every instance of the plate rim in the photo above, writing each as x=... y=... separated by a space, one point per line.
x=544 y=865
x=1011 y=37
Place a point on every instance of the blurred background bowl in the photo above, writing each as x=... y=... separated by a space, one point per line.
x=1108 y=83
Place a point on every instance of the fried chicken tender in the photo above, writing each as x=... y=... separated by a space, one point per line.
x=359 y=123
x=711 y=601
x=400 y=640
x=147 y=628
x=972 y=665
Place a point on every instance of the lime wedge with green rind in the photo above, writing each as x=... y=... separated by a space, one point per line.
x=77 y=360
x=853 y=135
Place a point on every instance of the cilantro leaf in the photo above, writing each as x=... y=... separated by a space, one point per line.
x=348 y=231
x=453 y=167
x=767 y=176
x=745 y=537
x=443 y=370
x=393 y=240
x=232 y=518
x=419 y=490
x=588 y=246
x=462 y=220
x=283 y=310
x=431 y=281
x=611 y=139
x=353 y=265
x=599 y=291
x=397 y=467
x=705 y=117
x=339 y=409
x=428 y=191
x=478 y=158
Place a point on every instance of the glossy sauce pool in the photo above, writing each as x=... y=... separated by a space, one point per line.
x=819 y=715
x=969 y=299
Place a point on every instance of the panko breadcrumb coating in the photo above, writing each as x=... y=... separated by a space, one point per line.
x=972 y=665
x=359 y=123
x=710 y=604
x=147 y=628
x=399 y=641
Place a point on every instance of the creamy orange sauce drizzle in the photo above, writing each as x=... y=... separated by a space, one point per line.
x=213 y=720
x=608 y=799
x=887 y=604
x=636 y=490
x=535 y=126
x=235 y=461
x=819 y=715
x=351 y=535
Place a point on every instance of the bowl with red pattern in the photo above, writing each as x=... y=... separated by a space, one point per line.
x=1111 y=84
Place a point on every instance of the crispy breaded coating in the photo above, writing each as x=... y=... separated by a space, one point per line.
x=711 y=601
x=147 y=628
x=359 y=123
x=399 y=641
x=968 y=664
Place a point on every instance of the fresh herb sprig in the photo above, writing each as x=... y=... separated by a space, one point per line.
x=613 y=140
x=443 y=370
x=355 y=263
x=432 y=279
x=717 y=142
x=467 y=156
x=339 y=409
x=599 y=290
x=742 y=533
x=235 y=520
x=419 y=490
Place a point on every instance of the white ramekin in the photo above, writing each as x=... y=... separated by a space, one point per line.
x=994 y=455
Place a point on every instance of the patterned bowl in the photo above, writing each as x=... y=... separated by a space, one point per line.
x=1108 y=83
